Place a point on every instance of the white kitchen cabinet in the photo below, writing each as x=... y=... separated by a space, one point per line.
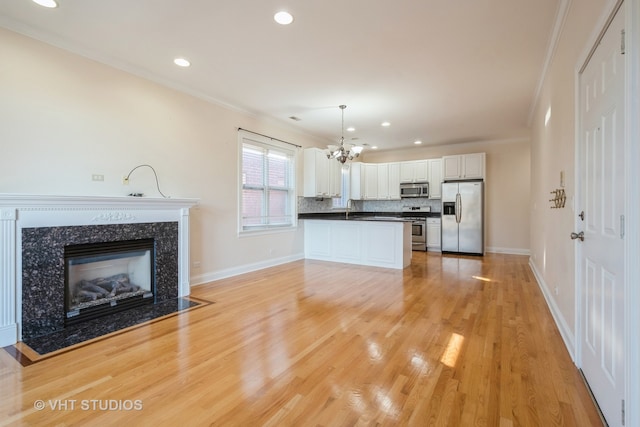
x=335 y=178
x=464 y=166
x=364 y=181
x=414 y=171
x=370 y=181
x=383 y=181
x=388 y=181
x=435 y=178
x=394 y=181
x=474 y=166
x=356 y=181
x=451 y=166
x=433 y=234
x=321 y=175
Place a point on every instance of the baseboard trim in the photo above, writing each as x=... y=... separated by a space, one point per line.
x=8 y=335
x=509 y=251
x=565 y=331
x=201 y=279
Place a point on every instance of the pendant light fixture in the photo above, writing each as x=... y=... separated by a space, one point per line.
x=343 y=152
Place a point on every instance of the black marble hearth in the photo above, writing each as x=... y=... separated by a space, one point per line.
x=72 y=335
x=43 y=285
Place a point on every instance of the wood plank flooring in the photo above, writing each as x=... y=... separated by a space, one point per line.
x=449 y=341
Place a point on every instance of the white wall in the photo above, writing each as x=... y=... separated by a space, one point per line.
x=64 y=117
x=506 y=187
x=552 y=151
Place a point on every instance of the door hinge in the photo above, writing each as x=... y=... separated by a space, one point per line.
x=622 y=42
x=622 y=226
x=622 y=411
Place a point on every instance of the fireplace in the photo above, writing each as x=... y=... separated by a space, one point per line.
x=45 y=255
x=36 y=229
x=107 y=277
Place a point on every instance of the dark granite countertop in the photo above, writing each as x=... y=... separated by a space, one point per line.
x=364 y=215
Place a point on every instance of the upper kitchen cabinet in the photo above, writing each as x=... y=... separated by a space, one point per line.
x=394 y=181
x=322 y=176
x=388 y=181
x=335 y=178
x=464 y=166
x=358 y=178
x=435 y=178
x=415 y=171
x=370 y=181
x=375 y=181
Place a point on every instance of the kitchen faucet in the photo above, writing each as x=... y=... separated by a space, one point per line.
x=349 y=203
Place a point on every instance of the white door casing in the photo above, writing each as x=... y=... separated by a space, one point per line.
x=600 y=257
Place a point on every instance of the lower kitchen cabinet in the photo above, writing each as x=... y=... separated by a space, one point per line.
x=433 y=234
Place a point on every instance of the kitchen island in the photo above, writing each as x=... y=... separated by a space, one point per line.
x=373 y=241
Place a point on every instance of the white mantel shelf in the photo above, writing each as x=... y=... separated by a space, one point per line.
x=93 y=202
x=18 y=211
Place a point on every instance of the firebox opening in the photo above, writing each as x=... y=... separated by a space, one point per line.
x=104 y=278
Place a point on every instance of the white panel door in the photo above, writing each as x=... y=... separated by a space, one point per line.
x=601 y=254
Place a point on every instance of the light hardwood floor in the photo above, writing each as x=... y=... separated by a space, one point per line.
x=449 y=341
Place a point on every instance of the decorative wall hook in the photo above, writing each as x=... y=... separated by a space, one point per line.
x=559 y=198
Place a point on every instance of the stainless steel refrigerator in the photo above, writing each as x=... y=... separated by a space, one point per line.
x=463 y=217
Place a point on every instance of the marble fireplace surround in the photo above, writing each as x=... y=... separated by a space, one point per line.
x=18 y=212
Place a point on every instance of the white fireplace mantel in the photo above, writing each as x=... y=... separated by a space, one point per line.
x=24 y=211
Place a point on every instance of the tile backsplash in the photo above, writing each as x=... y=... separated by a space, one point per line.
x=311 y=205
x=397 y=205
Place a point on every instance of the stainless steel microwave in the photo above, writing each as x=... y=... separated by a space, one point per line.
x=418 y=189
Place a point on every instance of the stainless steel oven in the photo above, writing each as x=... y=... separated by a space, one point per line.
x=419 y=234
x=418 y=226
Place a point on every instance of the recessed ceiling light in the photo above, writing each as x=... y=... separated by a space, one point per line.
x=181 y=62
x=374 y=147
x=351 y=129
x=418 y=142
x=283 y=18
x=46 y=3
x=385 y=124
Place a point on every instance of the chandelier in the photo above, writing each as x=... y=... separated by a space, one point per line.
x=343 y=152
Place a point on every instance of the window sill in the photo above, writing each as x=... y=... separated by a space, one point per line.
x=265 y=231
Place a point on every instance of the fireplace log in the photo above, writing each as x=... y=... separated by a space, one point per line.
x=90 y=286
x=103 y=287
x=86 y=296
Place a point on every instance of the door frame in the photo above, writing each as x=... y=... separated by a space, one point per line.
x=631 y=192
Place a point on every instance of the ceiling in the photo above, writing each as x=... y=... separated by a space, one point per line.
x=441 y=72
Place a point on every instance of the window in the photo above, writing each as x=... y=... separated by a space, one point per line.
x=341 y=203
x=268 y=184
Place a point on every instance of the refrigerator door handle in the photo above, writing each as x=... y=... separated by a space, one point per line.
x=458 y=208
